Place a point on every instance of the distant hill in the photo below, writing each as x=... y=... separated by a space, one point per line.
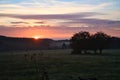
x=12 y=43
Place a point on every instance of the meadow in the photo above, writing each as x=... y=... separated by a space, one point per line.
x=59 y=65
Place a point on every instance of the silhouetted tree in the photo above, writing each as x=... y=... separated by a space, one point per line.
x=100 y=41
x=80 y=42
x=83 y=41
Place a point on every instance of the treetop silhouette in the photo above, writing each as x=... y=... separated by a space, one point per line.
x=83 y=41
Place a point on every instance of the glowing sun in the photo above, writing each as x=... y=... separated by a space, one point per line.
x=36 y=37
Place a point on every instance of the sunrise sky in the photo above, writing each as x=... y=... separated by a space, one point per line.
x=58 y=19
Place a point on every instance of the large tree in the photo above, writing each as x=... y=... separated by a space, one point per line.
x=83 y=41
x=80 y=42
x=100 y=41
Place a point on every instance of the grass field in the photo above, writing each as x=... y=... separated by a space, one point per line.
x=59 y=64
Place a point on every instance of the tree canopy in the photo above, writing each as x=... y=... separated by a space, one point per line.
x=83 y=41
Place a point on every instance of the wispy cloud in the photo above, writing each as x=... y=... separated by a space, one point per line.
x=52 y=16
x=40 y=22
x=50 y=7
x=19 y=22
x=81 y=19
x=95 y=22
x=56 y=7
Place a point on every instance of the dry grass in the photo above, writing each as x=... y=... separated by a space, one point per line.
x=59 y=64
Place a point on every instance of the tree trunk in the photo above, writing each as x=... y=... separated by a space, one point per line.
x=100 y=51
x=95 y=51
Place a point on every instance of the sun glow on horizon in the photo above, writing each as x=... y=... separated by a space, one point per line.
x=36 y=37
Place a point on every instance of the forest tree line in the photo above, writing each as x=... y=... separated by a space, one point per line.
x=85 y=41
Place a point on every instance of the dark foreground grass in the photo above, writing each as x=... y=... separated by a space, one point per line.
x=60 y=65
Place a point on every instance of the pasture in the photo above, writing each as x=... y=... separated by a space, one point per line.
x=59 y=64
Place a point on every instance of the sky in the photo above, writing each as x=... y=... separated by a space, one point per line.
x=58 y=19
